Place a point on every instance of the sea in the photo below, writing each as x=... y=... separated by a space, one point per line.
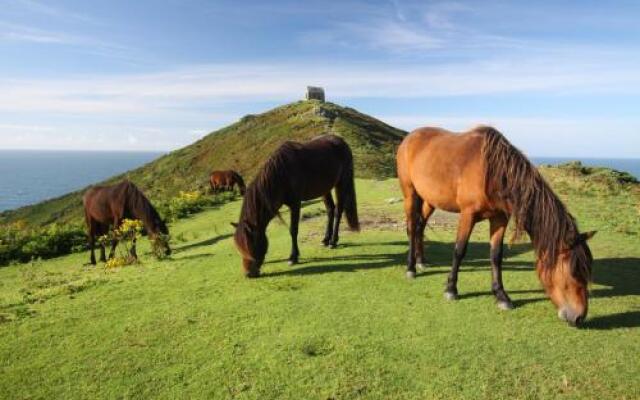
x=30 y=176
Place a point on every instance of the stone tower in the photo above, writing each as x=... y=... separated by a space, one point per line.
x=315 y=93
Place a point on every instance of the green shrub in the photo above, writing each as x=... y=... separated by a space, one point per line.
x=17 y=243
x=188 y=203
x=128 y=232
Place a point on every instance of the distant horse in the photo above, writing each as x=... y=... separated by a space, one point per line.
x=296 y=172
x=108 y=206
x=226 y=181
x=480 y=175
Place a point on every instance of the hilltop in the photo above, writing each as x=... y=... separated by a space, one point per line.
x=242 y=146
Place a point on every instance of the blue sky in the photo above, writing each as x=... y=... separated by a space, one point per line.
x=558 y=78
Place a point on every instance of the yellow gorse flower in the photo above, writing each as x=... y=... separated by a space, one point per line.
x=189 y=196
x=115 y=262
x=130 y=226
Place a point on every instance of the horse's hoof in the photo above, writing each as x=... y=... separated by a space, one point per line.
x=420 y=266
x=325 y=243
x=292 y=262
x=252 y=274
x=505 y=305
x=411 y=274
x=450 y=296
x=333 y=246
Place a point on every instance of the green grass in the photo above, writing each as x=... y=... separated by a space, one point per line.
x=344 y=324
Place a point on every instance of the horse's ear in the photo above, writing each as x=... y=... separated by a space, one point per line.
x=234 y=224
x=587 y=235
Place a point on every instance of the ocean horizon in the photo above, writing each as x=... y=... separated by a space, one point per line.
x=31 y=176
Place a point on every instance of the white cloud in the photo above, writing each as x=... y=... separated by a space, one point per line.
x=203 y=86
x=57 y=12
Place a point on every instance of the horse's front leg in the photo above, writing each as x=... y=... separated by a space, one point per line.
x=293 y=229
x=498 y=227
x=465 y=226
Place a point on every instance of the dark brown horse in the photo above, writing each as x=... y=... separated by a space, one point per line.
x=480 y=175
x=226 y=181
x=296 y=172
x=108 y=206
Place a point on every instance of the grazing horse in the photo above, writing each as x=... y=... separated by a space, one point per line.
x=296 y=172
x=225 y=181
x=480 y=175
x=108 y=206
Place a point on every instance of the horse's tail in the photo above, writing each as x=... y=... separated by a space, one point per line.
x=348 y=194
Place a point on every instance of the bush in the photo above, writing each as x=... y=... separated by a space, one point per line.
x=17 y=243
x=188 y=203
x=129 y=231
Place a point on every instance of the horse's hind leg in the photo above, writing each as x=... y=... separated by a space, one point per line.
x=92 y=245
x=465 y=226
x=335 y=236
x=293 y=229
x=112 y=252
x=498 y=228
x=427 y=210
x=331 y=208
x=412 y=205
x=102 y=231
x=114 y=242
x=133 y=252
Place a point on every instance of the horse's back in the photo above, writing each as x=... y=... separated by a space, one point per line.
x=315 y=165
x=446 y=169
x=100 y=202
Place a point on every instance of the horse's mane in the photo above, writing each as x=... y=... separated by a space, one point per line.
x=263 y=196
x=535 y=207
x=140 y=206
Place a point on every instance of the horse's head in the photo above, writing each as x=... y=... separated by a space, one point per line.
x=160 y=236
x=252 y=245
x=567 y=281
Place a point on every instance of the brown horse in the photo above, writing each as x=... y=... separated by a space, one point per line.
x=226 y=181
x=296 y=172
x=480 y=175
x=108 y=206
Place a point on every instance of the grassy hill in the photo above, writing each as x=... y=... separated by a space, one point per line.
x=344 y=324
x=242 y=146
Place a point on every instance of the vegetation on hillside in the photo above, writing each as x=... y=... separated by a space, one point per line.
x=611 y=198
x=242 y=146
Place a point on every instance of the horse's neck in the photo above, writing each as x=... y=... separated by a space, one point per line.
x=139 y=214
x=266 y=214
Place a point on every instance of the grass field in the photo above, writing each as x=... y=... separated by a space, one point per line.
x=344 y=324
